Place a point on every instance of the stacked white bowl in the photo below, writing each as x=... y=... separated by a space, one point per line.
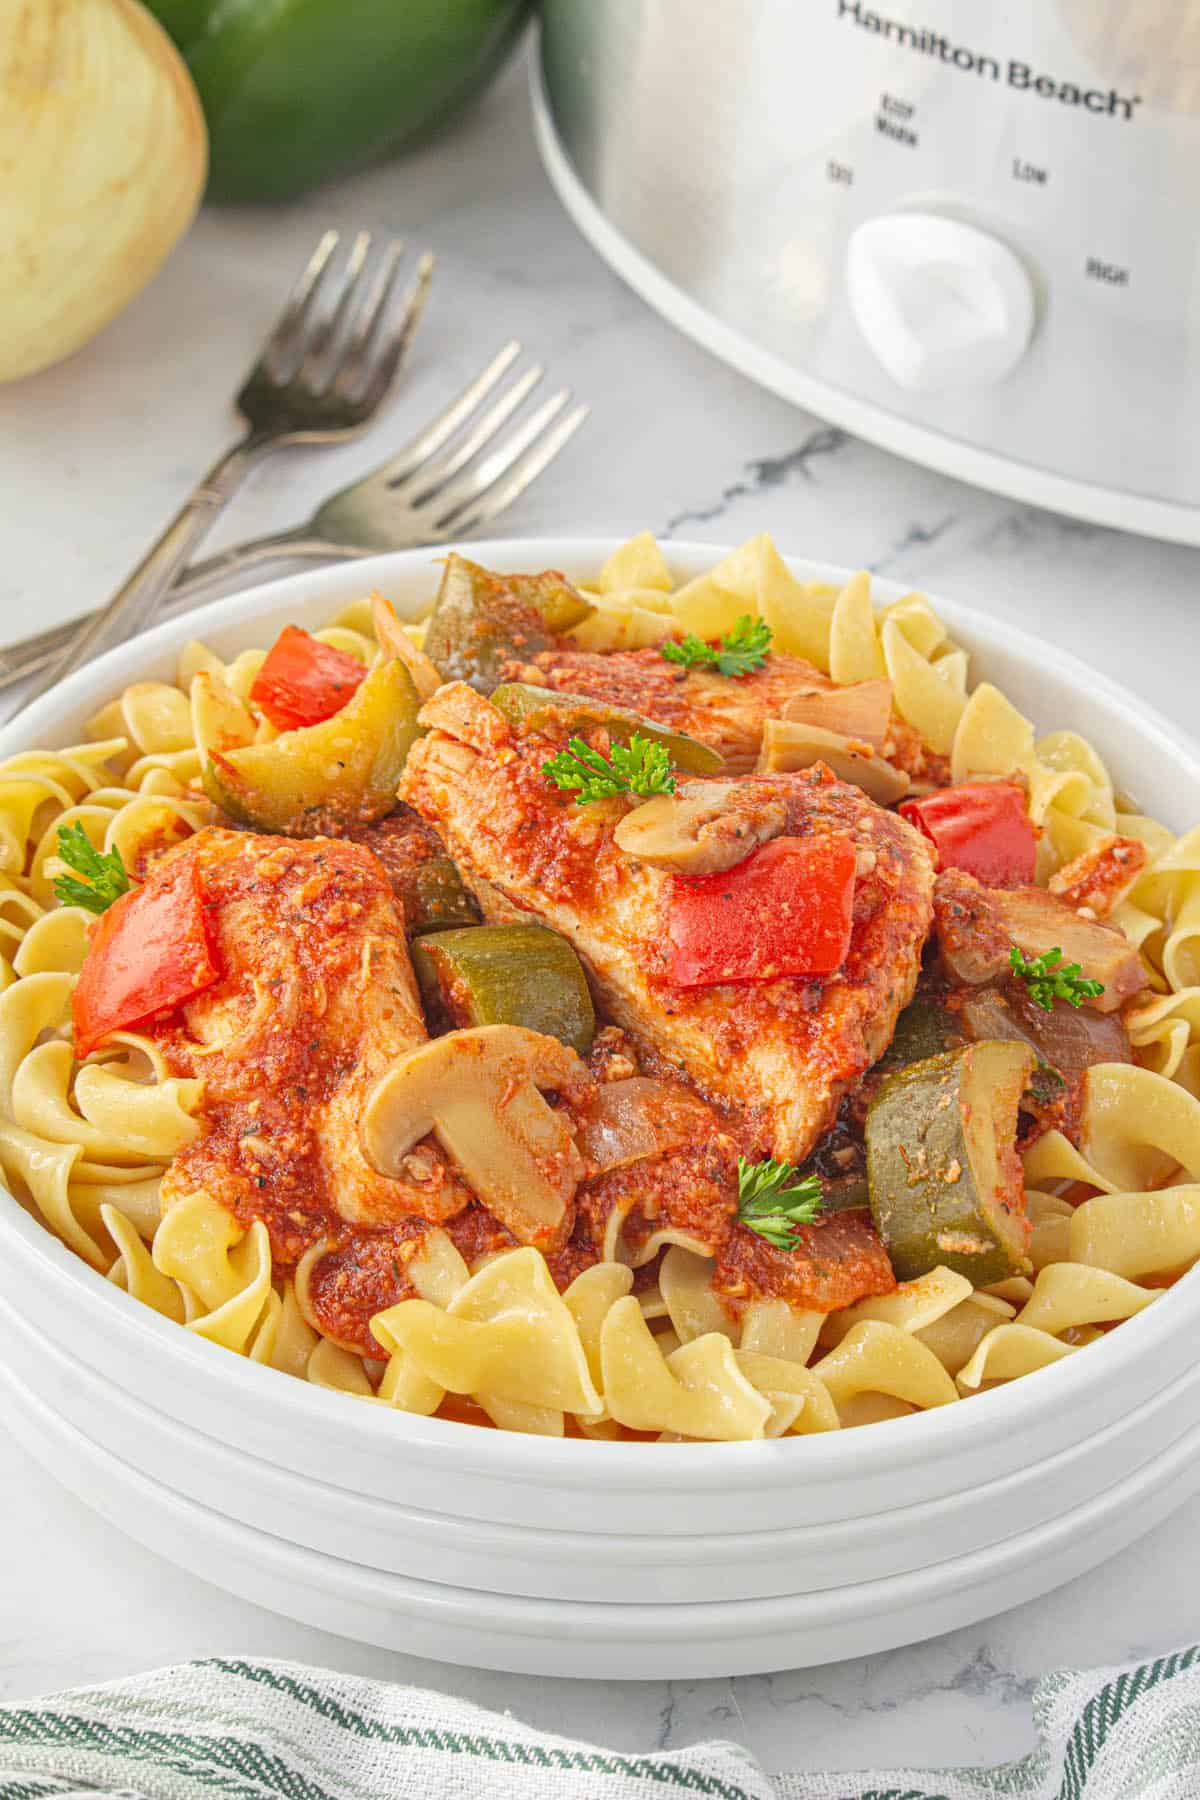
x=570 y=1556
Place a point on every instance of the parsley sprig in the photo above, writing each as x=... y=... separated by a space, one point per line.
x=639 y=767
x=772 y=1202
x=740 y=651
x=104 y=872
x=1049 y=979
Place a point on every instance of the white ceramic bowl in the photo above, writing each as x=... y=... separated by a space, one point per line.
x=530 y=1560
x=909 y=1527
x=638 y=1641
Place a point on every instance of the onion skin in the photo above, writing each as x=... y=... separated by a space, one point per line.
x=104 y=146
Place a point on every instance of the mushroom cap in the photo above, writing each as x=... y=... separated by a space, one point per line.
x=702 y=828
x=477 y=1091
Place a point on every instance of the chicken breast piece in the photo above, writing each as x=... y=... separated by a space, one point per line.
x=730 y=714
x=316 y=1000
x=781 y=1052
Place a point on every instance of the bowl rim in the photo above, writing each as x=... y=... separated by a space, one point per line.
x=891 y=1444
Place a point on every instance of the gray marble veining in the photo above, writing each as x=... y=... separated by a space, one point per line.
x=93 y=457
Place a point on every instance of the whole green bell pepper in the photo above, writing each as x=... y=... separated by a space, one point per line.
x=297 y=91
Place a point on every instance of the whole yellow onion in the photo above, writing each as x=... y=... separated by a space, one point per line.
x=103 y=155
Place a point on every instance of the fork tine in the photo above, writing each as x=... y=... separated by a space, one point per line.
x=395 y=348
x=429 y=441
x=300 y=299
x=369 y=387
x=524 y=472
x=379 y=299
x=434 y=476
x=475 y=482
x=326 y=328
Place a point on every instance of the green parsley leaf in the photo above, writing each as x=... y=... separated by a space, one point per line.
x=1050 y=979
x=740 y=652
x=689 y=652
x=106 y=876
x=744 y=649
x=644 y=765
x=581 y=767
x=639 y=767
x=772 y=1202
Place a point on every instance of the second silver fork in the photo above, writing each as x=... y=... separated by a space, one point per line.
x=322 y=374
x=456 y=474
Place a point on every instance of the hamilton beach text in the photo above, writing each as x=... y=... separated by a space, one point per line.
x=1011 y=71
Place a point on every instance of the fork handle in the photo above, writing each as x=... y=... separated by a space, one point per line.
x=135 y=603
x=277 y=546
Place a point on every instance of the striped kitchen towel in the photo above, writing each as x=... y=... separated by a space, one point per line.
x=244 y=1730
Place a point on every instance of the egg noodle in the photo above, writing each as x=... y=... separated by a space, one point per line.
x=84 y=1145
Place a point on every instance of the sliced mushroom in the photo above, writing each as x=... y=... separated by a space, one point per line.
x=787 y=746
x=860 y=709
x=704 y=827
x=477 y=1091
x=393 y=640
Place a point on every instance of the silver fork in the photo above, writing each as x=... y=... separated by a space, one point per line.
x=431 y=491
x=322 y=373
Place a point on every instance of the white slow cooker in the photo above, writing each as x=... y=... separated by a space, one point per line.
x=970 y=233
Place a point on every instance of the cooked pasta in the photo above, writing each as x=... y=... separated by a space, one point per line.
x=273 y=1145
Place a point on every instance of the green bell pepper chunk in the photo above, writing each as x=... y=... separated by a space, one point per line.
x=298 y=91
x=925 y=1028
x=481 y=620
x=541 y=708
x=506 y=975
x=436 y=898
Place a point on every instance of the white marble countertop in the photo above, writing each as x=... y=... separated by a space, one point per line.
x=96 y=454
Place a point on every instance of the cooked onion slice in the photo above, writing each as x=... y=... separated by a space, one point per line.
x=631 y=1120
x=788 y=746
x=861 y=709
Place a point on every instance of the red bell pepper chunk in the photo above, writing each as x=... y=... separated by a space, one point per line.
x=150 y=951
x=981 y=827
x=303 y=680
x=785 y=910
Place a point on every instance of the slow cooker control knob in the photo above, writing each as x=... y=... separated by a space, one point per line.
x=941 y=304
